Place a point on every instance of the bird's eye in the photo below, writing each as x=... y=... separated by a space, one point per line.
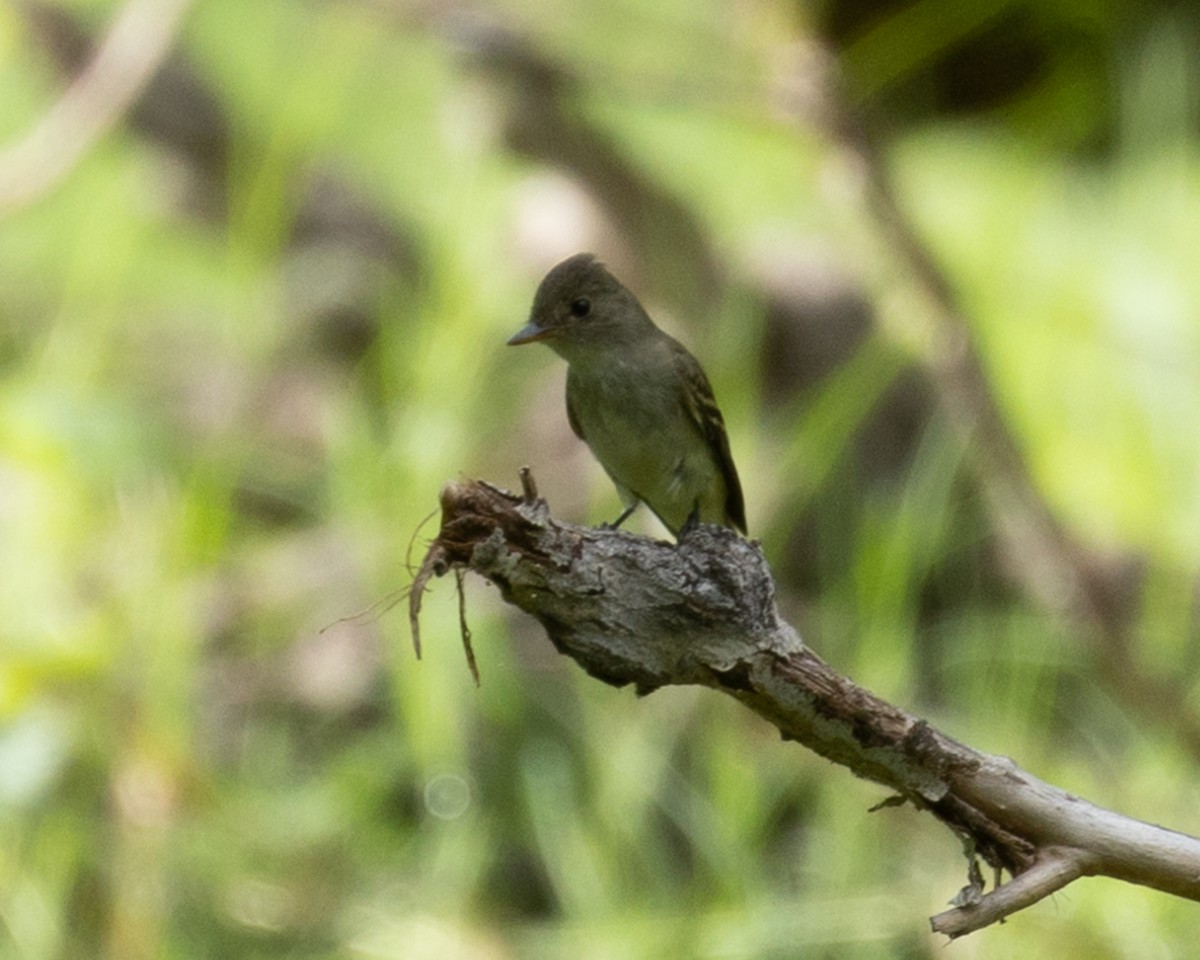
x=581 y=307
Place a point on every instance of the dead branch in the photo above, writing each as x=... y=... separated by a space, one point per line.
x=136 y=43
x=632 y=610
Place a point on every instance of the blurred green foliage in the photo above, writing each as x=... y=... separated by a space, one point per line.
x=235 y=370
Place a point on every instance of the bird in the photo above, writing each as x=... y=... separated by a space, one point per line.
x=637 y=398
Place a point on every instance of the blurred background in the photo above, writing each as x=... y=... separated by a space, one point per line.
x=257 y=265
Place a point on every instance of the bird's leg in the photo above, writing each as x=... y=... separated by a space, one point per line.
x=622 y=518
x=691 y=523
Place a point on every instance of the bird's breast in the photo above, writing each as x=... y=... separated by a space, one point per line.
x=638 y=429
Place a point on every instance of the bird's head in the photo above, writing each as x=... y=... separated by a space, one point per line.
x=580 y=307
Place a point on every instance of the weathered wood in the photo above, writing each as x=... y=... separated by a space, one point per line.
x=633 y=610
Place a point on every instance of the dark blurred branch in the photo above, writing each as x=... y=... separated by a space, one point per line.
x=175 y=107
x=126 y=59
x=631 y=610
x=333 y=215
x=545 y=117
x=1041 y=555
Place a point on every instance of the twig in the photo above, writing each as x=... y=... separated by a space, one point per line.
x=529 y=488
x=464 y=630
x=1053 y=869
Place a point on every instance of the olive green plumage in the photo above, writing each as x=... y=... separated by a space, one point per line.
x=638 y=399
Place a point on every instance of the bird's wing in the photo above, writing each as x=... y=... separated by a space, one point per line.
x=571 y=418
x=702 y=410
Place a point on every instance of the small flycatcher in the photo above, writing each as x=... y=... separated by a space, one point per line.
x=637 y=398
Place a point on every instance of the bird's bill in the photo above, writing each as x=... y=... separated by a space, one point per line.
x=530 y=333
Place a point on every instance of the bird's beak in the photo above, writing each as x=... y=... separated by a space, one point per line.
x=530 y=333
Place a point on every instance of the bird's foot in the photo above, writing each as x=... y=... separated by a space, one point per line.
x=621 y=519
x=690 y=525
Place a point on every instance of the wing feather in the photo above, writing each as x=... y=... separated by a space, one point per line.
x=702 y=410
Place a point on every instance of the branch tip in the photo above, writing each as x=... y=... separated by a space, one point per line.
x=1054 y=868
x=529 y=488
